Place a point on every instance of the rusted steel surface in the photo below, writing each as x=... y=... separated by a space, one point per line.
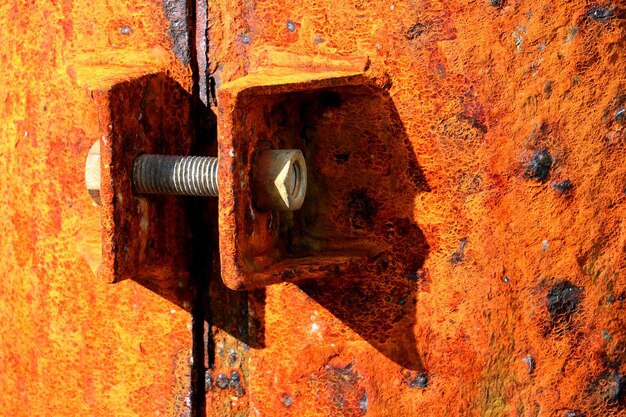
x=71 y=344
x=472 y=169
x=496 y=153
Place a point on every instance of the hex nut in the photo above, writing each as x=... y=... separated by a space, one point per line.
x=280 y=180
x=92 y=173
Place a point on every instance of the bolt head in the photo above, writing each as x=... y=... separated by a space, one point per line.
x=280 y=180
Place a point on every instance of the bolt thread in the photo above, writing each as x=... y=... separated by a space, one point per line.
x=180 y=175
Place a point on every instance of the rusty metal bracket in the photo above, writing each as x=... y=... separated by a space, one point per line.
x=142 y=238
x=326 y=107
x=282 y=104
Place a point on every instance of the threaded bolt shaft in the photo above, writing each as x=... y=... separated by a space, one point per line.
x=180 y=175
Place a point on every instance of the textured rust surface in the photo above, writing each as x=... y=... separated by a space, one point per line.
x=71 y=344
x=498 y=127
x=481 y=188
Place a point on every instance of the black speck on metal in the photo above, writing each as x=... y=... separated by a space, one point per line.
x=222 y=381
x=538 y=168
x=600 y=14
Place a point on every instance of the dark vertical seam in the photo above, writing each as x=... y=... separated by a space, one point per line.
x=200 y=237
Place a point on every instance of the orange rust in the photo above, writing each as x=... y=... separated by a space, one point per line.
x=498 y=290
x=70 y=344
x=480 y=88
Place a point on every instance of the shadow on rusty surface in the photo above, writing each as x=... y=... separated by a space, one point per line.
x=365 y=177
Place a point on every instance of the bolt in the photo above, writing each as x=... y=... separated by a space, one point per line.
x=279 y=177
x=179 y=175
